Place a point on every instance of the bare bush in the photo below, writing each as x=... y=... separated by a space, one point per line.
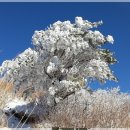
x=102 y=108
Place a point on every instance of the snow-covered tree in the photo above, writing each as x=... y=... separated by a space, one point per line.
x=65 y=56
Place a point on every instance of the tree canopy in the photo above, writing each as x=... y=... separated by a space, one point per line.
x=64 y=57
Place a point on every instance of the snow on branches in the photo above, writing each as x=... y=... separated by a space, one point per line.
x=64 y=55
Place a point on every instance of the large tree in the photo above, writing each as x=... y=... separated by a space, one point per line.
x=64 y=57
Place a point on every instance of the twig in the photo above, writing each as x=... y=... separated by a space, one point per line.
x=21 y=119
x=29 y=114
x=11 y=117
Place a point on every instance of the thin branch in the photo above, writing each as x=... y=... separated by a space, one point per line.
x=21 y=119
x=29 y=114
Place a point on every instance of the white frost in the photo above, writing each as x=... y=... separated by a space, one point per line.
x=64 y=55
x=110 y=39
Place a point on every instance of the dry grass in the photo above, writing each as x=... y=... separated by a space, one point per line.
x=73 y=114
x=5 y=92
x=77 y=118
x=7 y=95
x=29 y=94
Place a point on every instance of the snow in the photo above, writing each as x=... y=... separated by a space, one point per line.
x=14 y=103
x=51 y=68
x=110 y=39
x=79 y=21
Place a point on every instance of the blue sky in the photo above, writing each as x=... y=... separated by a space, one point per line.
x=18 y=21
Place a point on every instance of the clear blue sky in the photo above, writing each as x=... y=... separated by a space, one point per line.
x=19 y=20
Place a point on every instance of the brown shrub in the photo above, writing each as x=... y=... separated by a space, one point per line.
x=104 y=109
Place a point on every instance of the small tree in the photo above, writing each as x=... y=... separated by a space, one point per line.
x=65 y=55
